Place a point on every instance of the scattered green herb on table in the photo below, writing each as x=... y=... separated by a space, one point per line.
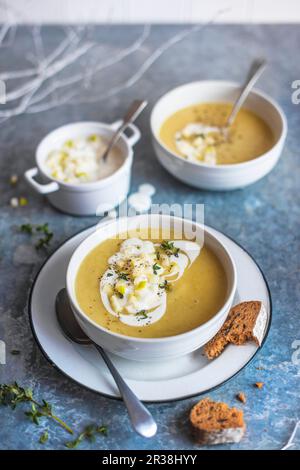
x=45 y=240
x=89 y=433
x=165 y=285
x=12 y=395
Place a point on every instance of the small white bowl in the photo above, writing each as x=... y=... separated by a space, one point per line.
x=85 y=198
x=217 y=177
x=148 y=349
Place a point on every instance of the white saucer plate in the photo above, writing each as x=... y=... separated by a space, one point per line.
x=169 y=380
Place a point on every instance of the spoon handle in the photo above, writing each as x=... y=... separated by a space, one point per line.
x=256 y=69
x=141 y=419
x=133 y=112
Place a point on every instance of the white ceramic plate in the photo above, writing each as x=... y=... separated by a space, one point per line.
x=154 y=382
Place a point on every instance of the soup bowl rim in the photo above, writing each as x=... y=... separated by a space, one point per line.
x=225 y=84
x=164 y=339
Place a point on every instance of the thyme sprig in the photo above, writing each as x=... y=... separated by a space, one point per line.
x=90 y=432
x=156 y=268
x=27 y=228
x=13 y=395
x=45 y=240
x=44 y=437
x=142 y=314
x=169 y=248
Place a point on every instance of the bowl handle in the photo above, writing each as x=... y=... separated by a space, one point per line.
x=40 y=188
x=135 y=132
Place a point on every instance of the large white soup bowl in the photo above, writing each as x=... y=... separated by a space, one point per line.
x=149 y=349
x=217 y=177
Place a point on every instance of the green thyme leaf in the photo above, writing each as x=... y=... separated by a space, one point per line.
x=123 y=276
x=44 y=437
x=102 y=430
x=15 y=352
x=88 y=434
x=165 y=285
x=13 y=395
x=155 y=268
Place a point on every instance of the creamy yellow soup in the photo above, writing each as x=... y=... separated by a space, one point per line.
x=187 y=133
x=191 y=300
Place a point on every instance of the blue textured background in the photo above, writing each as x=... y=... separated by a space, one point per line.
x=264 y=218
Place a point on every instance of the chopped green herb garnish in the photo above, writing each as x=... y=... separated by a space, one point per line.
x=123 y=276
x=109 y=274
x=26 y=228
x=12 y=395
x=165 y=285
x=169 y=248
x=165 y=245
x=34 y=414
x=44 y=229
x=156 y=267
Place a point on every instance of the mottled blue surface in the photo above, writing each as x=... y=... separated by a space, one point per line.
x=264 y=218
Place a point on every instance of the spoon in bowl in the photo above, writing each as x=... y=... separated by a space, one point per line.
x=132 y=113
x=256 y=69
x=141 y=419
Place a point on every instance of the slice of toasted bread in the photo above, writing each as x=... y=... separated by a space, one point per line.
x=245 y=322
x=216 y=423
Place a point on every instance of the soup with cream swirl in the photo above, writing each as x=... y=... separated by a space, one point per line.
x=150 y=288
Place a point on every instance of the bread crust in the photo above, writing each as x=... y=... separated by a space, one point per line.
x=216 y=423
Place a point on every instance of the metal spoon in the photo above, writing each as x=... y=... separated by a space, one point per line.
x=141 y=419
x=256 y=69
x=133 y=112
